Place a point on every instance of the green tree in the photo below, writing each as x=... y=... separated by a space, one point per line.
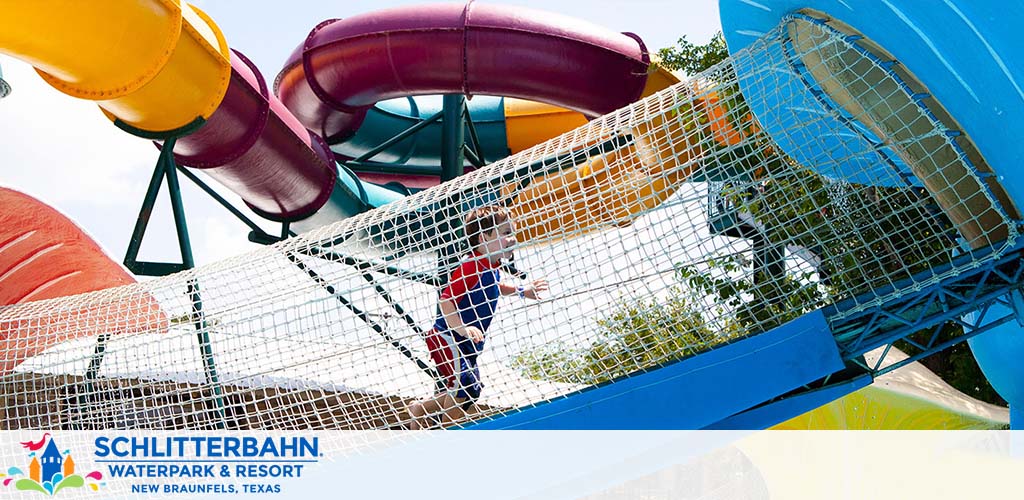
x=638 y=335
x=691 y=58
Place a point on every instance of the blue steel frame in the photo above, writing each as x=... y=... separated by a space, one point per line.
x=974 y=290
x=933 y=306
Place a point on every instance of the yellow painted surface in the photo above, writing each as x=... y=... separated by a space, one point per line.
x=155 y=64
x=608 y=188
x=528 y=123
x=928 y=465
x=873 y=408
x=615 y=187
x=660 y=79
x=97 y=49
x=190 y=85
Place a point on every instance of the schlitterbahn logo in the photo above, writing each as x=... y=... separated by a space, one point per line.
x=49 y=469
x=205 y=464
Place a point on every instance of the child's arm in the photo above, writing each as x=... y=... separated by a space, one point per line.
x=529 y=291
x=450 y=310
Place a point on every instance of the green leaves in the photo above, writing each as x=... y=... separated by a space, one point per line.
x=749 y=307
x=860 y=237
x=638 y=335
x=691 y=58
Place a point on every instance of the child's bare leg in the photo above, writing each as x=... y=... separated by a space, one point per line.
x=416 y=414
x=423 y=411
x=455 y=411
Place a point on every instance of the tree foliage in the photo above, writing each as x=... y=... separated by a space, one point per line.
x=638 y=335
x=865 y=237
x=691 y=58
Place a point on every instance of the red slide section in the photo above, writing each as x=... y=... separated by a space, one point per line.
x=43 y=255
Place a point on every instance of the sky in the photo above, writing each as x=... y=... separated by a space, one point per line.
x=64 y=152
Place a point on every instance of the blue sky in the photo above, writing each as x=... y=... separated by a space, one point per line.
x=66 y=153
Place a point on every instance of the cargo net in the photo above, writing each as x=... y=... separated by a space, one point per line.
x=663 y=230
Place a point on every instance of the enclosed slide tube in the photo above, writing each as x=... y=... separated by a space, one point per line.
x=966 y=56
x=337 y=74
x=504 y=126
x=177 y=74
x=158 y=69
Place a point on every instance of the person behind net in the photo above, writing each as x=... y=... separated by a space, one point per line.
x=467 y=306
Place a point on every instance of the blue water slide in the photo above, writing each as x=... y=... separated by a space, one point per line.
x=967 y=53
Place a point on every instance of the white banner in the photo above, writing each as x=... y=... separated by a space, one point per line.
x=511 y=464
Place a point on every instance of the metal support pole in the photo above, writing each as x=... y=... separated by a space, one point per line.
x=177 y=208
x=96 y=361
x=198 y=317
x=769 y=260
x=401 y=136
x=453 y=145
x=473 y=158
x=362 y=166
x=453 y=136
x=206 y=351
x=365 y=265
x=474 y=139
x=84 y=397
x=142 y=222
x=259 y=232
x=366 y=319
x=167 y=169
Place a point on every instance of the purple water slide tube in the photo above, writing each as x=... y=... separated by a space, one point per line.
x=345 y=66
x=254 y=146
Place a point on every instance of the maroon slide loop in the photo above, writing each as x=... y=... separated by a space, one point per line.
x=465 y=49
x=482 y=49
x=646 y=57
x=310 y=73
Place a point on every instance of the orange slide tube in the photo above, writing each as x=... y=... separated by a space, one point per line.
x=614 y=187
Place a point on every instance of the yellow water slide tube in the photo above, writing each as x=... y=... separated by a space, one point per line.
x=154 y=65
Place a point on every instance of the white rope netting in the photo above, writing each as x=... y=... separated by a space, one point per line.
x=664 y=229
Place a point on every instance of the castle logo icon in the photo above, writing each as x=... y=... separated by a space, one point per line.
x=50 y=470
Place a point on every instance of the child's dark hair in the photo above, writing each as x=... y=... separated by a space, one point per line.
x=483 y=220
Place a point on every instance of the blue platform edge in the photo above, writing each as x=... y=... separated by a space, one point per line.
x=696 y=392
x=771 y=414
x=966 y=52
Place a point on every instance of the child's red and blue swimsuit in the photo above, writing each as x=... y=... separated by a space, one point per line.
x=474 y=287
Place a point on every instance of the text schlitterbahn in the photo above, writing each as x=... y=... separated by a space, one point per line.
x=230 y=459
x=207 y=447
